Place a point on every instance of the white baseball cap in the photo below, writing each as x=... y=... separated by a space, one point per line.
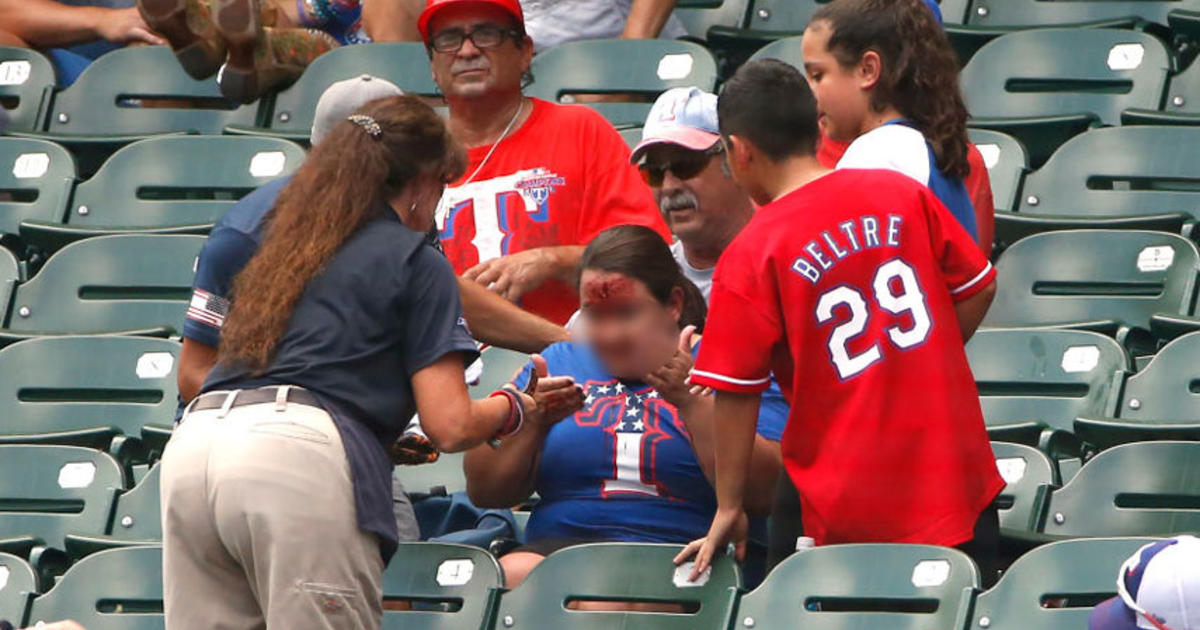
x=343 y=98
x=1158 y=589
x=682 y=116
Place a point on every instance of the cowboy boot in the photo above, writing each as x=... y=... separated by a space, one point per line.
x=262 y=58
x=188 y=26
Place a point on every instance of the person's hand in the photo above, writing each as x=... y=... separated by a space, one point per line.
x=549 y=399
x=729 y=525
x=126 y=26
x=516 y=274
x=671 y=380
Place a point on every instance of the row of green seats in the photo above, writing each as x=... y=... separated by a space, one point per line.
x=841 y=587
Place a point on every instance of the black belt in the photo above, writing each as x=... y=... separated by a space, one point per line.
x=216 y=400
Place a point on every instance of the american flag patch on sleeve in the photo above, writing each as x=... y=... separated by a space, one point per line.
x=207 y=308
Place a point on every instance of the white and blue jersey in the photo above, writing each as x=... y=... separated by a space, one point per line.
x=897 y=146
x=622 y=468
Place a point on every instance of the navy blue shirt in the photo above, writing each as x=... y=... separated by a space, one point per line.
x=385 y=306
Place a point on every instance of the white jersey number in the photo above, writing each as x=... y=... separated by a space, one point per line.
x=907 y=298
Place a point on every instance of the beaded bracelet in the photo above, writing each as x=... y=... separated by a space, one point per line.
x=516 y=416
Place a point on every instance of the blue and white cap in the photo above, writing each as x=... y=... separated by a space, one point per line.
x=1158 y=589
x=682 y=116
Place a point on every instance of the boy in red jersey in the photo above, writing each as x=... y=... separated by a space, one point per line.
x=859 y=289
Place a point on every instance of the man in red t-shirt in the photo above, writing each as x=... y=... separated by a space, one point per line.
x=859 y=289
x=542 y=179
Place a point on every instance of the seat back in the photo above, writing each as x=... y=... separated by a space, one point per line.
x=49 y=491
x=18 y=584
x=1046 y=72
x=1119 y=171
x=1050 y=12
x=80 y=386
x=175 y=181
x=1055 y=586
x=405 y=64
x=1141 y=489
x=138 y=515
x=1029 y=475
x=449 y=587
x=790 y=16
x=864 y=586
x=1091 y=275
x=118 y=589
x=127 y=282
x=621 y=572
x=26 y=81
x=1006 y=161
x=786 y=49
x=1030 y=378
x=10 y=273
x=700 y=15
x=140 y=90
x=1165 y=390
x=643 y=68
x=37 y=176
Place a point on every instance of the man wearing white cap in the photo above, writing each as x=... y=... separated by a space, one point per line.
x=1158 y=588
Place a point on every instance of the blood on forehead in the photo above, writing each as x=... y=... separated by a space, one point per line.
x=608 y=290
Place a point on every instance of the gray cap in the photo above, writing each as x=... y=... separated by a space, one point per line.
x=344 y=98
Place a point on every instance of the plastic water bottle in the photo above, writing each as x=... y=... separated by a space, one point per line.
x=806 y=543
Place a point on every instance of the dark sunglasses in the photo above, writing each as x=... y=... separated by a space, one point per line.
x=684 y=166
x=483 y=37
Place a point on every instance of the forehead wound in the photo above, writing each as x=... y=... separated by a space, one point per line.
x=607 y=290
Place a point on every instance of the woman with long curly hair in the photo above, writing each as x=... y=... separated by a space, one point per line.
x=886 y=77
x=276 y=486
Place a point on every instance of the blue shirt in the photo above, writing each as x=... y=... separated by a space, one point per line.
x=897 y=146
x=385 y=306
x=622 y=468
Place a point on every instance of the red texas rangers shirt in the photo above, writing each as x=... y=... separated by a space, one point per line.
x=562 y=178
x=852 y=280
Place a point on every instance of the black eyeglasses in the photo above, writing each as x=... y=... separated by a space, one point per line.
x=685 y=165
x=483 y=37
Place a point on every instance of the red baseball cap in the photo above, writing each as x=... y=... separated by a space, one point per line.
x=432 y=7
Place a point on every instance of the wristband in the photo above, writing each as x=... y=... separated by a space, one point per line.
x=516 y=416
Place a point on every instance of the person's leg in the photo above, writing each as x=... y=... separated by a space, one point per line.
x=392 y=20
x=285 y=508
x=785 y=525
x=406 y=519
x=188 y=27
x=984 y=548
x=262 y=57
x=517 y=566
x=203 y=587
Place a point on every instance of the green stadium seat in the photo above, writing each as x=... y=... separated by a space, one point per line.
x=620 y=572
x=500 y=366
x=26 y=83
x=450 y=587
x=47 y=492
x=1121 y=177
x=137 y=520
x=643 y=68
x=1182 y=103
x=698 y=16
x=132 y=93
x=1141 y=489
x=10 y=273
x=119 y=589
x=127 y=283
x=404 y=63
x=18 y=585
x=1032 y=13
x=1029 y=475
x=1045 y=86
x=1158 y=403
x=1034 y=382
x=786 y=49
x=1055 y=586
x=168 y=184
x=85 y=390
x=1103 y=280
x=1006 y=161
x=36 y=178
x=845 y=587
x=632 y=136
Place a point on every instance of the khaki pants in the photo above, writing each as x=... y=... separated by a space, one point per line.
x=259 y=525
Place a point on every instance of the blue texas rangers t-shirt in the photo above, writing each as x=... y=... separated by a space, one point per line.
x=623 y=468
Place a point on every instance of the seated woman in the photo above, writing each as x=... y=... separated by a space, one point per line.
x=636 y=463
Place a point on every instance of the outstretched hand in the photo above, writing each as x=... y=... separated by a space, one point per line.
x=549 y=399
x=729 y=525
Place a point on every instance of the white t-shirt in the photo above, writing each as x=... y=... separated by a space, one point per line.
x=702 y=278
x=552 y=22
